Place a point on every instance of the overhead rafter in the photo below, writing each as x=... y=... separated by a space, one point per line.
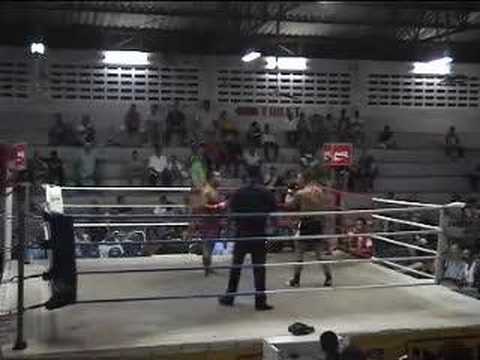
x=226 y=12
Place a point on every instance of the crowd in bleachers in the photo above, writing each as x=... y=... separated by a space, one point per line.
x=217 y=143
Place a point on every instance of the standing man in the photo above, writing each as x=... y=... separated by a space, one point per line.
x=309 y=197
x=252 y=198
x=209 y=228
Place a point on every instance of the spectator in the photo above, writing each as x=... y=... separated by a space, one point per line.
x=454 y=267
x=135 y=170
x=233 y=154
x=132 y=120
x=198 y=169
x=154 y=124
x=292 y=124
x=308 y=161
x=177 y=169
x=357 y=130
x=158 y=172
x=474 y=176
x=163 y=200
x=386 y=139
x=86 y=166
x=214 y=154
x=361 y=246
x=318 y=130
x=303 y=135
x=452 y=143
x=252 y=160
x=330 y=128
x=202 y=118
x=254 y=134
x=176 y=124
x=58 y=133
x=55 y=169
x=271 y=177
x=269 y=144
x=330 y=345
x=86 y=131
x=343 y=129
x=226 y=125
x=367 y=172
x=38 y=170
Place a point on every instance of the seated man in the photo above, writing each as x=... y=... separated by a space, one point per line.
x=233 y=154
x=386 y=139
x=135 y=170
x=271 y=177
x=454 y=268
x=359 y=245
x=179 y=174
x=254 y=134
x=85 y=131
x=252 y=160
x=304 y=135
x=154 y=123
x=452 y=143
x=86 y=167
x=158 y=172
x=226 y=125
x=58 y=133
x=176 y=124
x=291 y=122
x=55 y=169
x=269 y=144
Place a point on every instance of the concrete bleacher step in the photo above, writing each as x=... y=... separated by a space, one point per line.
x=422 y=184
x=427 y=169
x=418 y=156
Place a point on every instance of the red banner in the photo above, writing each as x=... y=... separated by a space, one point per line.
x=337 y=154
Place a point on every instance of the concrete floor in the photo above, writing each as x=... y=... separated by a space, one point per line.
x=188 y=323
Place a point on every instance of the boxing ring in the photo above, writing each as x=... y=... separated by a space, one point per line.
x=162 y=306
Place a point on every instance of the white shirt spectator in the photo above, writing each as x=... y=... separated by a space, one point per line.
x=455 y=270
x=268 y=139
x=252 y=159
x=470 y=273
x=158 y=163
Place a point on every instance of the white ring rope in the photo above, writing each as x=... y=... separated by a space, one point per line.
x=267 y=265
x=419 y=204
x=386 y=261
x=399 y=243
x=287 y=238
x=126 y=188
x=93 y=225
x=124 y=206
x=406 y=222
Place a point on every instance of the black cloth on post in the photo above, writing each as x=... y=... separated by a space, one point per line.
x=63 y=269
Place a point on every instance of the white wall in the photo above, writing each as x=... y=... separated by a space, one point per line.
x=29 y=118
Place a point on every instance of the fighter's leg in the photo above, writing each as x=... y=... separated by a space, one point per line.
x=297 y=270
x=320 y=248
x=207 y=250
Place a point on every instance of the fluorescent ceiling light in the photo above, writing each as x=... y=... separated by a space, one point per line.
x=438 y=66
x=286 y=63
x=250 y=56
x=125 y=57
x=37 y=48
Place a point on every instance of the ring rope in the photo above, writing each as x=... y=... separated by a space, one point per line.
x=406 y=222
x=405 y=268
x=269 y=214
x=399 y=243
x=245 y=293
x=271 y=238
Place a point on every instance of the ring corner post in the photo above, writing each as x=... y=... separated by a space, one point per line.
x=20 y=343
x=442 y=246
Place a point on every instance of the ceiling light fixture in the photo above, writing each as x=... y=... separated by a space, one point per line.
x=126 y=58
x=250 y=56
x=286 y=63
x=37 y=48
